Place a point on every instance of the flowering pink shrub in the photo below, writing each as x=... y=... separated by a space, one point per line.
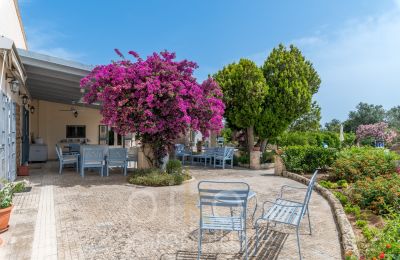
x=378 y=131
x=158 y=99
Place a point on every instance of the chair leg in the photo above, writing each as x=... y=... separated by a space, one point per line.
x=298 y=242
x=124 y=170
x=60 y=168
x=82 y=171
x=199 y=245
x=102 y=170
x=309 y=222
x=257 y=237
x=245 y=245
x=240 y=235
x=77 y=167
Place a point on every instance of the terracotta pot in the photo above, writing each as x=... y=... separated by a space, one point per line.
x=23 y=170
x=4 y=218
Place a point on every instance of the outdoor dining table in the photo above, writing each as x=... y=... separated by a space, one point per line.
x=252 y=196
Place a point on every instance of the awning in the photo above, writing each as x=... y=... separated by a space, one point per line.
x=53 y=79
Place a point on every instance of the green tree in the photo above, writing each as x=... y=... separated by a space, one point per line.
x=393 y=117
x=333 y=125
x=292 y=81
x=309 y=121
x=365 y=114
x=244 y=88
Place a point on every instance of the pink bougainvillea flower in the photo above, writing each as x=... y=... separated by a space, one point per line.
x=158 y=99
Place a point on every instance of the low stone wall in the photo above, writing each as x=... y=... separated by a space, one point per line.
x=347 y=237
x=262 y=166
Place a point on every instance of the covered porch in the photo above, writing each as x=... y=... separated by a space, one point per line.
x=57 y=113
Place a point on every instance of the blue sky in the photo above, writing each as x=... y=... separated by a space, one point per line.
x=354 y=45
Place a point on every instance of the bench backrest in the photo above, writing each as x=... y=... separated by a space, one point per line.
x=309 y=192
x=92 y=154
x=117 y=154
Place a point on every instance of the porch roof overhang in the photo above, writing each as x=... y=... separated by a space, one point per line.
x=11 y=58
x=53 y=79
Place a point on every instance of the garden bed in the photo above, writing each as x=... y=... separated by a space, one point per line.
x=363 y=187
x=173 y=175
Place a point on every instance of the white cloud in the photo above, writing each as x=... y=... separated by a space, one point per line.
x=44 y=39
x=359 y=62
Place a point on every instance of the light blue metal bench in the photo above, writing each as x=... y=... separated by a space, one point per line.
x=92 y=157
x=219 y=194
x=117 y=157
x=65 y=159
x=223 y=154
x=208 y=155
x=288 y=212
x=180 y=151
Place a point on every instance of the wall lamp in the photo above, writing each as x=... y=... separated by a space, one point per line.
x=14 y=84
x=32 y=109
x=25 y=99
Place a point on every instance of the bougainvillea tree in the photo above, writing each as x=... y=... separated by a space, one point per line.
x=378 y=131
x=156 y=98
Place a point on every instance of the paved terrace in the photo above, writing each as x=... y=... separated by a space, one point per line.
x=67 y=217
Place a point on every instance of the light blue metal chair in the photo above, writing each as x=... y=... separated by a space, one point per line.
x=207 y=156
x=74 y=148
x=65 y=159
x=180 y=151
x=223 y=154
x=225 y=196
x=289 y=212
x=92 y=157
x=117 y=157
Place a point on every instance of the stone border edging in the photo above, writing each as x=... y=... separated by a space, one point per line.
x=347 y=238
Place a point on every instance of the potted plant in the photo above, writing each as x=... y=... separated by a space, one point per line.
x=7 y=191
x=23 y=170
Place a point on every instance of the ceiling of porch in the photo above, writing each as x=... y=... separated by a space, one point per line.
x=53 y=79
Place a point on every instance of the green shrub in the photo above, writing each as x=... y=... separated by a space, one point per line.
x=267 y=157
x=328 y=184
x=379 y=195
x=7 y=191
x=357 y=163
x=317 y=138
x=303 y=159
x=361 y=223
x=156 y=178
x=351 y=209
x=174 y=167
x=386 y=240
x=244 y=158
x=369 y=232
x=341 y=197
x=342 y=184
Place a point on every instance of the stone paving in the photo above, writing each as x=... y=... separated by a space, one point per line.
x=67 y=217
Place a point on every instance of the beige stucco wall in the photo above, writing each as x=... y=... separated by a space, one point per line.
x=11 y=23
x=50 y=124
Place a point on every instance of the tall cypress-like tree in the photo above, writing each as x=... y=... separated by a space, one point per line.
x=245 y=89
x=292 y=81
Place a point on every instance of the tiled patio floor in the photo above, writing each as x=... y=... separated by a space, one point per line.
x=66 y=217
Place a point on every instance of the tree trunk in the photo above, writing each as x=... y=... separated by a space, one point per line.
x=263 y=145
x=250 y=138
